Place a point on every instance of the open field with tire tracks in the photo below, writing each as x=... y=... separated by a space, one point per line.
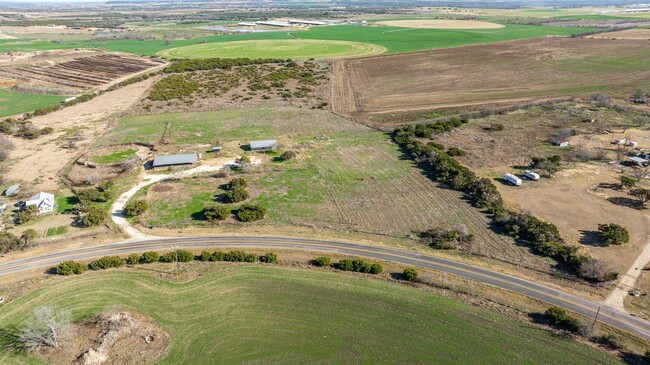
x=492 y=73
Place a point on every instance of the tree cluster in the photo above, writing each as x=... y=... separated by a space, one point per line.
x=322 y=261
x=613 y=234
x=549 y=165
x=236 y=190
x=186 y=65
x=106 y=262
x=559 y=317
x=231 y=256
x=70 y=267
x=250 y=213
x=177 y=255
x=135 y=208
x=446 y=239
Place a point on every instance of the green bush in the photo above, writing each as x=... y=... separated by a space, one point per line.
x=214 y=212
x=359 y=265
x=560 y=318
x=269 y=258
x=134 y=259
x=322 y=261
x=173 y=87
x=70 y=267
x=26 y=214
x=94 y=216
x=612 y=340
x=410 y=274
x=180 y=255
x=106 y=262
x=236 y=195
x=250 y=213
x=613 y=234
x=455 y=151
x=233 y=256
x=29 y=235
x=237 y=183
x=206 y=256
x=496 y=127
x=135 y=208
x=150 y=257
x=88 y=195
x=627 y=182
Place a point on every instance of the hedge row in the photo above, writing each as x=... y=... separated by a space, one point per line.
x=217 y=63
x=544 y=237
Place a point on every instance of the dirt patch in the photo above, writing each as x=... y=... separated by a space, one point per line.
x=641 y=34
x=480 y=74
x=162 y=188
x=442 y=24
x=112 y=338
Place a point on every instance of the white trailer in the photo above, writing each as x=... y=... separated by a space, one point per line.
x=531 y=175
x=512 y=179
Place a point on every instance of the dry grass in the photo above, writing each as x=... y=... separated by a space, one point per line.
x=487 y=73
x=640 y=34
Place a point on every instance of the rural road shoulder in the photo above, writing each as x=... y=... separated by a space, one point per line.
x=586 y=307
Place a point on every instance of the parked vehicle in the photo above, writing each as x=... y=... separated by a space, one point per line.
x=512 y=179
x=531 y=175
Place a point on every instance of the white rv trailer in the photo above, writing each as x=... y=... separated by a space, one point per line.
x=512 y=179
x=531 y=175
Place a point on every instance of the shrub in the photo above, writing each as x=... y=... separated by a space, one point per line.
x=235 y=256
x=134 y=259
x=560 y=318
x=26 y=214
x=70 y=267
x=150 y=257
x=94 y=216
x=180 y=255
x=595 y=270
x=216 y=212
x=613 y=234
x=359 y=265
x=496 y=127
x=455 y=151
x=410 y=274
x=627 y=182
x=250 y=213
x=29 y=235
x=269 y=258
x=322 y=261
x=288 y=155
x=237 y=183
x=135 y=208
x=88 y=195
x=236 y=195
x=206 y=256
x=106 y=262
x=611 y=340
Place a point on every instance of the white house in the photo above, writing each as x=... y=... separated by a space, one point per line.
x=44 y=202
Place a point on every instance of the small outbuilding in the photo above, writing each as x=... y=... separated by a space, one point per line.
x=639 y=161
x=561 y=142
x=11 y=191
x=175 y=160
x=44 y=202
x=267 y=145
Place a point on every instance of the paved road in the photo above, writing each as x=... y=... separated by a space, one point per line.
x=577 y=304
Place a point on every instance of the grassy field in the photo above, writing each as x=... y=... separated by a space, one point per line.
x=251 y=314
x=294 y=49
x=394 y=39
x=347 y=178
x=15 y=103
x=116 y=157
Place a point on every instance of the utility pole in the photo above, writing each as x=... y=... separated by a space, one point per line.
x=595 y=319
x=178 y=263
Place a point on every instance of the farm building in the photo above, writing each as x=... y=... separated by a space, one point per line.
x=561 y=142
x=11 y=191
x=639 y=161
x=274 y=23
x=44 y=202
x=306 y=22
x=244 y=24
x=175 y=160
x=268 y=145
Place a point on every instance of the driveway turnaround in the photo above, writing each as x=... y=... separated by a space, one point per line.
x=586 y=307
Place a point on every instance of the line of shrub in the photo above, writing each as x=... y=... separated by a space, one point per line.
x=185 y=65
x=359 y=265
x=544 y=237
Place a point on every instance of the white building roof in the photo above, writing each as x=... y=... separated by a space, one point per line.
x=40 y=197
x=12 y=190
x=639 y=160
x=260 y=145
x=171 y=160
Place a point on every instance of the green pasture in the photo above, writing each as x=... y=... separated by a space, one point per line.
x=12 y=103
x=252 y=314
x=115 y=157
x=288 y=48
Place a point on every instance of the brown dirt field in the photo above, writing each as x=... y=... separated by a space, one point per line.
x=40 y=160
x=628 y=34
x=519 y=70
x=442 y=24
x=113 y=338
x=576 y=202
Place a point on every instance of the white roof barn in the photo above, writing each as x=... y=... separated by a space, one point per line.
x=44 y=202
x=266 y=145
x=11 y=191
x=175 y=160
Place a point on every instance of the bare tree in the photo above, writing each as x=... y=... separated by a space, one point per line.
x=129 y=164
x=45 y=329
x=93 y=178
x=621 y=151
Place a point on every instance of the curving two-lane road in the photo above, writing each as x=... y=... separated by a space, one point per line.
x=560 y=298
